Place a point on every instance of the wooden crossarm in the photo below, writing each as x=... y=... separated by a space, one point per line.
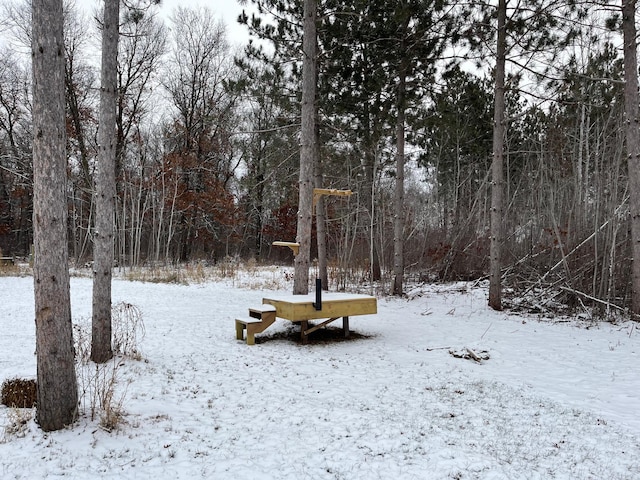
x=295 y=247
x=319 y=326
x=318 y=192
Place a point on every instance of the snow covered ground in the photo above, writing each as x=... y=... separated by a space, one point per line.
x=553 y=401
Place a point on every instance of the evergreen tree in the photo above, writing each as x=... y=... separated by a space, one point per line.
x=632 y=135
x=526 y=38
x=105 y=188
x=57 y=395
x=308 y=148
x=454 y=134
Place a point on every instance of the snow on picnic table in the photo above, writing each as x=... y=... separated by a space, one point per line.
x=555 y=400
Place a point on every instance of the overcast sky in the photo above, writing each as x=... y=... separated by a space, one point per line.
x=227 y=10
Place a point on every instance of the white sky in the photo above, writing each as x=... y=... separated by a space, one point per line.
x=227 y=10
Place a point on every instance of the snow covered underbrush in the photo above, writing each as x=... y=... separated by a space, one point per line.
x=544 y=401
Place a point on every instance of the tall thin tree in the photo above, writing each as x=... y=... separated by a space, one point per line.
x=398 y=199
x=321 y=219
x=632 y=125
x=308 y=149
x=57 y=395
x=497 y=166
x=105 y=188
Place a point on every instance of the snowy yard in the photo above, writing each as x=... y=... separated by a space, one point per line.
x=554 y=401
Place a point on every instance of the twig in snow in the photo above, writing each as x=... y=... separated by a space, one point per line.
x=485 y=332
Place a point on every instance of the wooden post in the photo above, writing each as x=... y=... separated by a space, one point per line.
x=304 y=325
x=239 y=330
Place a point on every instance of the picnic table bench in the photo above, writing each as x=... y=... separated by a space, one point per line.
x=301 y=309
x=7 y=261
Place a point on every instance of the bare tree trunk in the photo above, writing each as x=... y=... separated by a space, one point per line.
x=105 y=188
x=497 y=167
x=321 y=211
x=368 y=201
x=398 y=216
x=308 y=150
x=139 y=213
x=171 y=229
x=321 y=226
x=159 y=218
x=57 y=385
x=633 y=141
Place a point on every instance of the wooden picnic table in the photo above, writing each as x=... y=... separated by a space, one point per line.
x=300 y=309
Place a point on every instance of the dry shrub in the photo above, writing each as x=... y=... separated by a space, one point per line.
x=251 y=266
x=19 y=393
x=194 y=273
x=154 y=275
x=17 y=424
x=127 y=330
x=98 y=398
x=227 y=268
x=97 y=382
x=82 y=341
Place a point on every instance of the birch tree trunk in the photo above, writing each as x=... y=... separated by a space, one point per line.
x=633 y=141
x=57 y=395
x=105 y=188
x=497 y=167
x=308 y=150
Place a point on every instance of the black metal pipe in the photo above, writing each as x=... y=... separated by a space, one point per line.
x=318 y=303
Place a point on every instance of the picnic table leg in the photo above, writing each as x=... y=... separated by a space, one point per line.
x=304 y=325
x=239 y=330
x=345 y=327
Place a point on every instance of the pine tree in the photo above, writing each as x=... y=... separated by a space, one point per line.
x=308 y=148
x=632 y=123
x=497 y=165
x=528 y=36
x=105 y=188
x=57 y=396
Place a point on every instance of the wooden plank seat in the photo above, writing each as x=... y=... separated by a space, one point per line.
x=7 y=261
x=260 y=318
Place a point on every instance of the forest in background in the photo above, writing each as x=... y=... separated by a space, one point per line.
x=208 y=140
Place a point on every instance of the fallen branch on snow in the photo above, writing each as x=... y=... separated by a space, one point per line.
x=468 y=353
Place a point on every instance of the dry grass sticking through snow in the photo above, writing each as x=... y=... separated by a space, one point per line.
x=97 y=382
